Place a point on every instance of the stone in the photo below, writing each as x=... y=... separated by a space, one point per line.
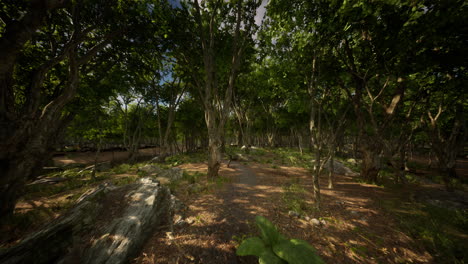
x=173 y=174
x=340 y=168
x=352 y=161
x=323 y=222
x=150 y=169
x=163 y=180
x=315 y=222
x=293 y=214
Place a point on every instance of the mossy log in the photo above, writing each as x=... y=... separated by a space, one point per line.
x=85 y=234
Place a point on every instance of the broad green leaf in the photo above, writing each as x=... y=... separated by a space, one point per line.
x=268 y=257
x=251 y=246
x=296 y=251
x=270 y=234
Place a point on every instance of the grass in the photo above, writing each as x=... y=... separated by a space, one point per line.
x=121 y=169
x=276 y=156
x=195 y=157
x=442 y=231
x=294 y=197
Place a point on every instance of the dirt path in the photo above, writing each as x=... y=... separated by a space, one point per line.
x=357 y=230
x=219 y=219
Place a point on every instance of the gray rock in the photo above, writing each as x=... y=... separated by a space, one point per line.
x=150 y=169
x=340 y=168
x=173 y=174
x=315 y=222
x=293 y=214
x=158 y=159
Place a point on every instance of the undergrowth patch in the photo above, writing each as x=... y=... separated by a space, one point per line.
x=442 y=231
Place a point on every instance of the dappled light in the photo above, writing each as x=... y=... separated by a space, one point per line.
x=233 y=131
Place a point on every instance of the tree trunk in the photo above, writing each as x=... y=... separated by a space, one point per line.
x=214 y=145
x=11 y=191
x=370 y=166
x=93 y=174
x=315 y=178
x=331 y=169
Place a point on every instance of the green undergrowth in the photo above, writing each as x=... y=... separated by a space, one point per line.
x=442 y=231
x=276 y=156
x=273 y=248
x=294 y=197
x=193 y=157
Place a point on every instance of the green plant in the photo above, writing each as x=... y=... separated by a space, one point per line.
x=122 y=168
x=272 y=247
x=293 y=197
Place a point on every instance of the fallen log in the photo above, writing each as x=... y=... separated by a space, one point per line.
x=108 y=225
x=48 y=180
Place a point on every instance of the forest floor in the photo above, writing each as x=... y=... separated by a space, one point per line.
x=357 y=229
x=416 y=223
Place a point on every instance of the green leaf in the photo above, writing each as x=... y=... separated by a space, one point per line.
x=296 y=251
x=268 y=257
x=251 y=246
x=270 y=234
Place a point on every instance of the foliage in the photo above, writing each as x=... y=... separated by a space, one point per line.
x=441 y=230
x=272 y=247
x=294 y=197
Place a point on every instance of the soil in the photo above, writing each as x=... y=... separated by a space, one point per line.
x=356 y=230
x=87 y=158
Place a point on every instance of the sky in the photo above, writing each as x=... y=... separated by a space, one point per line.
x=258 y=17
x=260 y=13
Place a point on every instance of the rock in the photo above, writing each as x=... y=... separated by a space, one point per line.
x=323 y=222
x=340 y=168
x=158 y=159
x=352 y=161
x=173 y=174
x=163 y=180
x=190 y=221
x=150 y=169
x=306 y=218
x=241 y=157
x=245 y=148
x=315 y=222
x=293 y=214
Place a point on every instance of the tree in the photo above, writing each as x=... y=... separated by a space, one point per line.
x=222 y=29
x=46 y=48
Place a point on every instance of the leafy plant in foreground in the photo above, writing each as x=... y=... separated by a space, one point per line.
x=271 y=247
